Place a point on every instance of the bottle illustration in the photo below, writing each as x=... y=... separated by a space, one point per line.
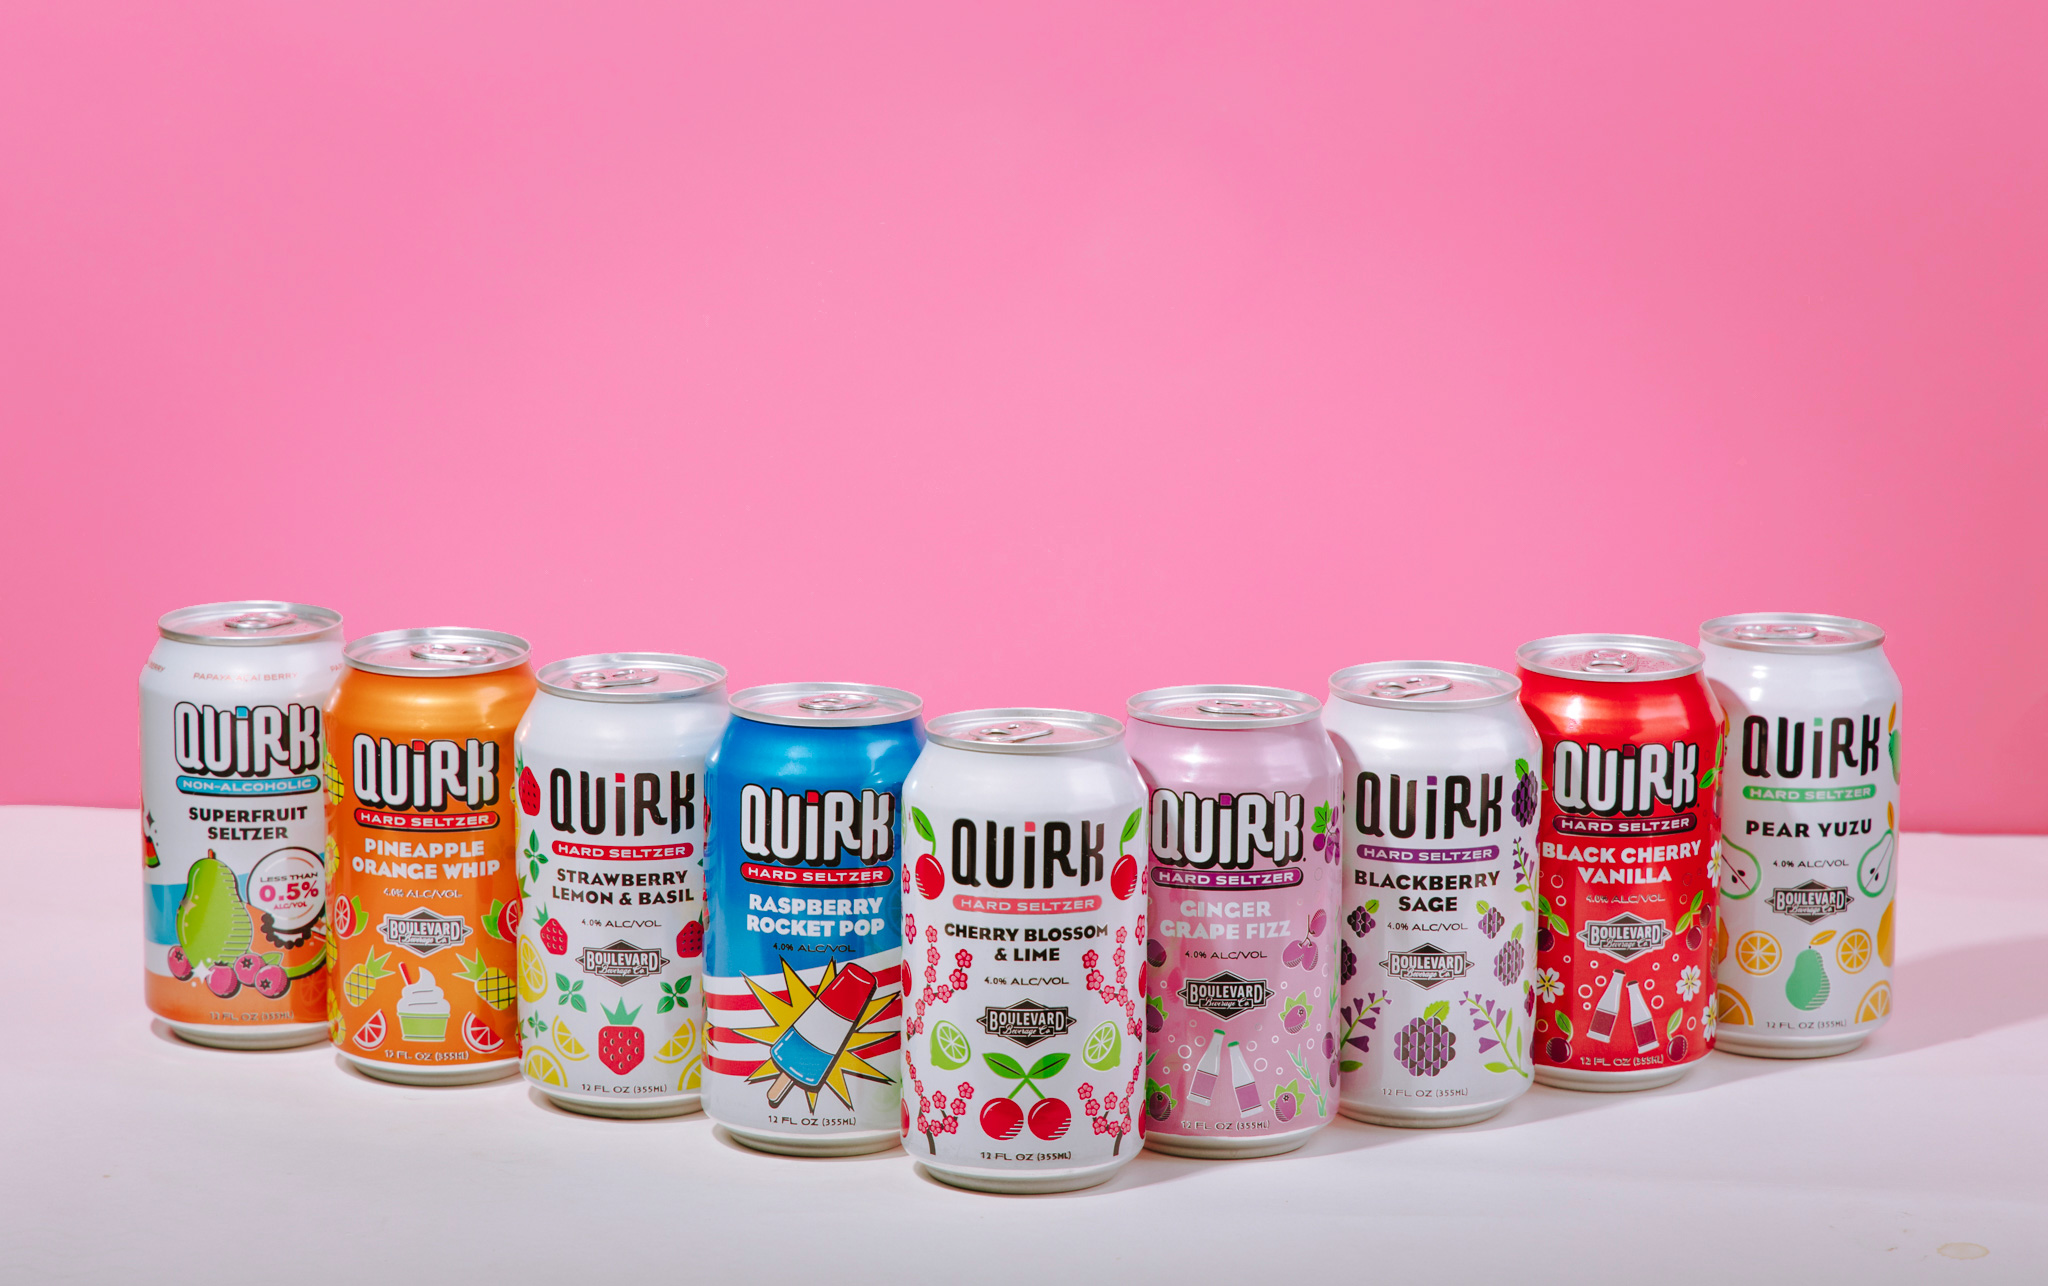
x=1639 y=1019
x=1248 y=1103
x=1203 y=1087
x=1609 y=1008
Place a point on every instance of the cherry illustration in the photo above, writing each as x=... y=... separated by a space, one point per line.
x=1050 y=1118
x=1693 y=938
x=1678 y=1048
x=1001 y=1118
x=1123 y=879
x=1155 y=953
x=1559 y=1050
x=931 y=879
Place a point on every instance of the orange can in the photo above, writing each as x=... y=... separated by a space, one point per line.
x=423 y=889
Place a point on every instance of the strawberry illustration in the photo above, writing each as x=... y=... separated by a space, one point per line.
x=621 y=1046
x=690 y=941
x=552 y=935
x=529 y=793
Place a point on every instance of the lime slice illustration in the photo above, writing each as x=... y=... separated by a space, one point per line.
x=1105 y=1046
x=949 y=1047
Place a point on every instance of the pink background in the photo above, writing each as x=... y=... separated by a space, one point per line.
x=1031 y=355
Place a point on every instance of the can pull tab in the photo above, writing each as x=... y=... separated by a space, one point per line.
x=1611 y=660
x=626 y=678
x=455 y=653
x=833 y=702
x=1255 y=709
x=1009 y=734
x=1760 y=632
x=260 y=620
x=1414 y=685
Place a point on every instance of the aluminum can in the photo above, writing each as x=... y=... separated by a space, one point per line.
x=1241 y=825
x=420 y=806
x=609 y=765
x=233 y=834
x=803 y=978
x=1022 y=895
x=1439 y=919
x=1627 y=845
x=1809 y=808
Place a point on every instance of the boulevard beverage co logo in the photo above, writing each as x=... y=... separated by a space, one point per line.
x=422 y=932
x=1624 y=937
x=1225 y=994
x=1427 y=965
x=1811 y=902
x=1027 y=1022
x=622 y=962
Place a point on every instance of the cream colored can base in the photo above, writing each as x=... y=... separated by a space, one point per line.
x=618 y=1107
x=1788 y=1046
x=1208 y=1149
x=1443 y=1118
x=1012 y=1183
x=453 y=1074
x=1571 y=1078
x=264 y=1036
x=826 y=1145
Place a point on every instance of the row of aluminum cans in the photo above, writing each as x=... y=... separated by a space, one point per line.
x=1019 y=942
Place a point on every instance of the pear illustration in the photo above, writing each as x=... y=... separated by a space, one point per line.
x=1874 y=868
x=1807 y=987
x=213 y=923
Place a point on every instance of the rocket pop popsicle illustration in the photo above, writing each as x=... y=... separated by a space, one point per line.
x=804 y=1054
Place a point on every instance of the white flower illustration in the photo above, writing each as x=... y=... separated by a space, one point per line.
x=1548 y=984
x=1689 y=981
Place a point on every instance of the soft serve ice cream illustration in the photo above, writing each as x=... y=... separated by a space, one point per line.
x=422 y=1009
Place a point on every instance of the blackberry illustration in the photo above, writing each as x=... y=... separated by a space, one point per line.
x=1491 y=922
x=1347 y=962
x=1361 y=923
x=1425 y=1046
x=1507 y=966
x=1524 y=802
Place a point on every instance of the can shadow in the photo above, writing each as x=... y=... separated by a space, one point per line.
x=499 y=1083
x=162 y=1031
x=892 y=1154
x=1938 y=1000
x=694 y=1116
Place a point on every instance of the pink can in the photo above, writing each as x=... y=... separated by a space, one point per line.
x=1242 y=825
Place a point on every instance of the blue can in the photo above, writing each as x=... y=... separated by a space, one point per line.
x=803 y=961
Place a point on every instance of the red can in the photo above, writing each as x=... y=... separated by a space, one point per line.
x=1627 y=847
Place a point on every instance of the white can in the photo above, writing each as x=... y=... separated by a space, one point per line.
x=1809 y=816
x=234 y=835
x=1024 y=933
x=1438 y=946
x=610 y=771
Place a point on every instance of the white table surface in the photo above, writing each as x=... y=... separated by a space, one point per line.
x=133 y=1157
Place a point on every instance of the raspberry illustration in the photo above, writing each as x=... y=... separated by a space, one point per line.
x=1425 y=1046
x=1507 y=965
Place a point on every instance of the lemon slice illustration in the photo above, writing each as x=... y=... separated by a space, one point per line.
x=678 y=1045
x=541 y=1066
x=533 y=975
x=1876 y=1003
x=1853 y=951
x=565 y=1041
x=1730 y=1009
x=1757 y=952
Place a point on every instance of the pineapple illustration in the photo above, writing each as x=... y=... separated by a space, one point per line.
x=363 y=978
x=493 y=985
x=333 y=777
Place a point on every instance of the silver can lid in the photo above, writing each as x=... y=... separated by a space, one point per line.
x=632 y=677
x=439 y=651
x=1223 y=706
x=1424 y=685
x=1610 y=658
x=1791 y=632
x=833 y=705
x=1025 y=730
x=251 y=623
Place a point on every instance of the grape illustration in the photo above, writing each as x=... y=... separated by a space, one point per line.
x=1524 y=802
x=1425 y=1046
x=1507 y=965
